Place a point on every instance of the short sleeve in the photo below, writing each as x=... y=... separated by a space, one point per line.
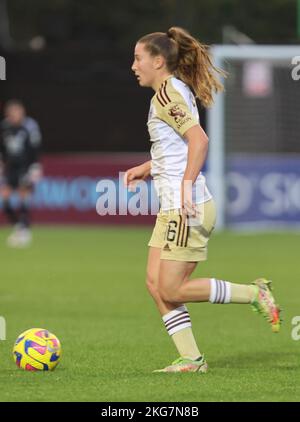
x=172 y=108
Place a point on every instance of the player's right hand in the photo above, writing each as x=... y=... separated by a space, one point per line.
x=133 y=176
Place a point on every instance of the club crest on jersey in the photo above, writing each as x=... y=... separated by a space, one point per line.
x=179 y=115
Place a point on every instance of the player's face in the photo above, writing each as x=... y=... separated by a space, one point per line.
x=15 y=114
x=144 y=66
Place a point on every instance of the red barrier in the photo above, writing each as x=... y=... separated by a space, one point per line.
x=67 y=194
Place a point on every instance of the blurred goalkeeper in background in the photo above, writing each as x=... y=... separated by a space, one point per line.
x=20 y=170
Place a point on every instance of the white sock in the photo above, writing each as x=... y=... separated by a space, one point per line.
x=177 y=320
x=179 y=326
x=220 y=291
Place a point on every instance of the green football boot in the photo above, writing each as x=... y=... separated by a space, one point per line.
x=186 y=365
x=264 y=303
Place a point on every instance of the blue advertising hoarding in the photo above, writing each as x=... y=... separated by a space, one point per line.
x=263 y=190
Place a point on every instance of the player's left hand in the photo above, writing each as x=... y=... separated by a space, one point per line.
x=187 y=206
x=189 y=209
x=35 y=173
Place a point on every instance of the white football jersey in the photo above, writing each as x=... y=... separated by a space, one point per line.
x=172 y=112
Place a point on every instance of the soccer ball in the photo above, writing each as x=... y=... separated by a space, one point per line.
x=37 y=350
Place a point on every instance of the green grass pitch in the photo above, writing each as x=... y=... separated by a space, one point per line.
x=87 y=286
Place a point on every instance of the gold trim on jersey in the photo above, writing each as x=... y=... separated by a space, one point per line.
x=162 y=95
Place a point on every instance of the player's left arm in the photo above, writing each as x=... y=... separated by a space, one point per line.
x=35 y=141
x=178 y=115
x=197 y=152
x=35 y=170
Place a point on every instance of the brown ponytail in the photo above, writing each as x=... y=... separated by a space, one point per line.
x=187 y=59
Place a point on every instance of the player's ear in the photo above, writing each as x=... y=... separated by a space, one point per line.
x=159 y=62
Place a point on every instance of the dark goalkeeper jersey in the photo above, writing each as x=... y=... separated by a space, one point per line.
x=19 y=145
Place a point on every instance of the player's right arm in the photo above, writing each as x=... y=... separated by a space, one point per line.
x=134 y=175
x=2 y=151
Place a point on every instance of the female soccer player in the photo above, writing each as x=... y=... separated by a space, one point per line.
x=175 y=65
